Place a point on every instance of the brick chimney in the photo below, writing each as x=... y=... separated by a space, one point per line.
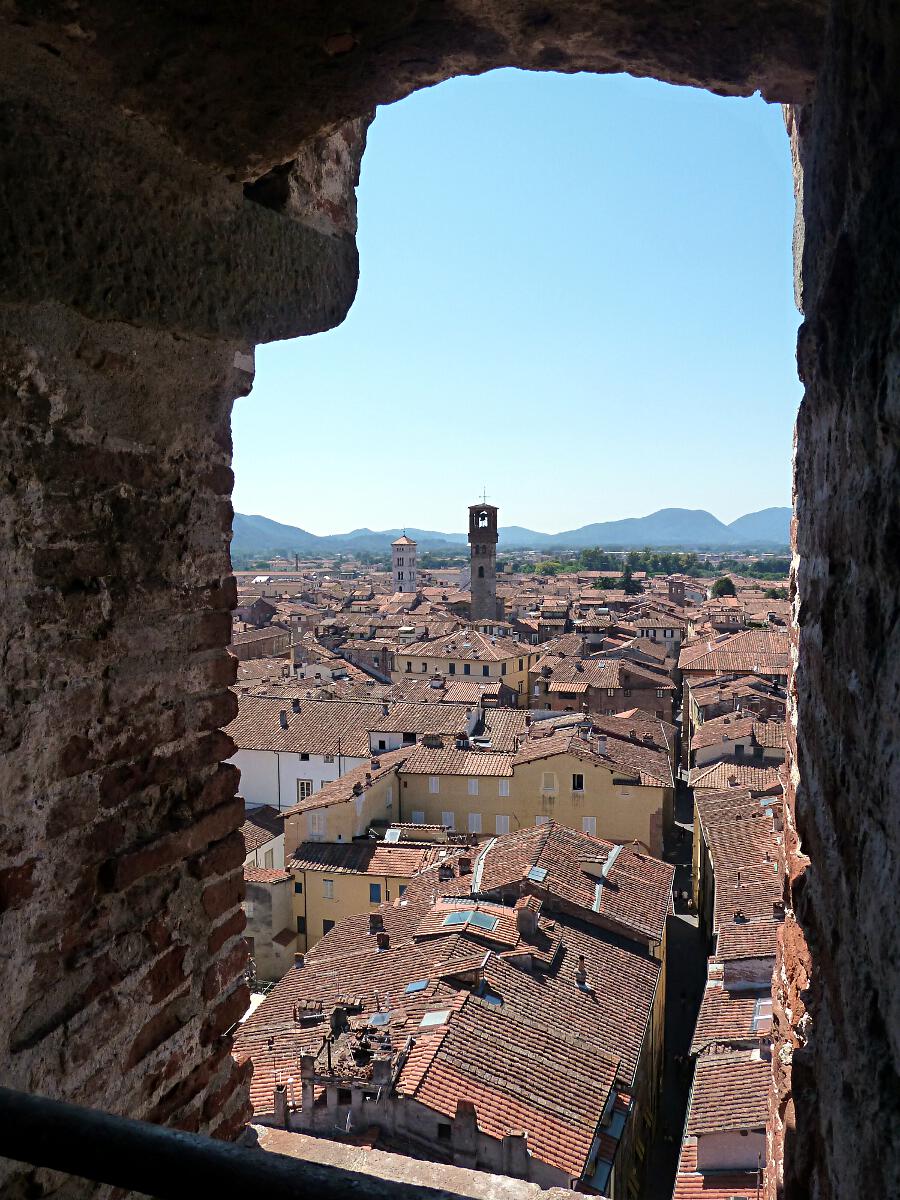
x=376 y=922
x=527 y=910
x=383 y=941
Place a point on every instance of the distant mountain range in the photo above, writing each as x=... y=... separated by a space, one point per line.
x=673 y=528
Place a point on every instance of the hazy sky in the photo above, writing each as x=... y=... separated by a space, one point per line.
x=574 y=290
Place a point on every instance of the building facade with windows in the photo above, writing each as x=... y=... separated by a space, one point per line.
x=469 y=654
x=603 y=786
x=331 y=882
x=403 y=563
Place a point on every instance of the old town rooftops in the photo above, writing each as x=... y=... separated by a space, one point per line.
x=759 y=780
x=608 y=673
x=334 y=726
x=449 y=760
x=755 y=651
x=644 y=764
x=408 y=975
x=625 y=887
x=734 y=727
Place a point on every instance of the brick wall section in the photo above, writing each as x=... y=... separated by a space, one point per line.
x=121 y=882
x=837 y=1118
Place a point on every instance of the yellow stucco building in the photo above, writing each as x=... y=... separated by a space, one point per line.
x=333 y=881
x=604 y=786
x=469 y=654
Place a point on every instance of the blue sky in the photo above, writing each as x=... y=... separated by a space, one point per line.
x=574 y=290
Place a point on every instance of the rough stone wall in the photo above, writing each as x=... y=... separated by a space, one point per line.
x=121 y=880
x=838 y=978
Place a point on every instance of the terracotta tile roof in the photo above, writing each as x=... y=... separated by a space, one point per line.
x=367 y=857
x=747 y=939
x=320 y=723
x=731 y=728
x=721 y=775
x=690 y=1184
x=265 y=875
x=504 y=726
x=645 y=764
x=262 y=824
x=744 y=847
x=624 y=886
x=730 y=1091
x=605 y=1026
x=450 y=761
x=341 y=791
x=610 y=673
x=726 y=1017
x=521 y=1074
x=755 y=651
x=467 y=644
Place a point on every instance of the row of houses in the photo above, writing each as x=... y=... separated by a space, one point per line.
x=505 y=1012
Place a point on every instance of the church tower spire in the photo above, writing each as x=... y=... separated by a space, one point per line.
x=483 y=538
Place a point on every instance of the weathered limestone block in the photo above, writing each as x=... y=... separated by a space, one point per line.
x=120 y=861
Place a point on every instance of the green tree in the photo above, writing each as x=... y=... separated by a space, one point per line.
x=628 y=583
x=724 y=587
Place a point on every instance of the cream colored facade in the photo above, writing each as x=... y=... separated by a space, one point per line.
x=583 y=795
x=512 y=668
x=341 y=820
x=326 y=896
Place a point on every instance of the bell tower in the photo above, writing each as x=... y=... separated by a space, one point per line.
x=483 y=553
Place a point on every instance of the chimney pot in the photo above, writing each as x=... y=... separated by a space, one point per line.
x=383 y=940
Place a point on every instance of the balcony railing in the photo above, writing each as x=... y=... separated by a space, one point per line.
x=170 y=1164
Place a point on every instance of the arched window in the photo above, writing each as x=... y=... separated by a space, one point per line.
x=481 y=572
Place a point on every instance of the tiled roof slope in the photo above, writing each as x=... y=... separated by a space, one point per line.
x=635 y=893
x=261 y=825
x=521 y=1074
x=755 y=651
x=647 y=765
x=500 y=1056
x=466 y=644
x=731 y=1091
x=321 y=724
x=367 y=857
